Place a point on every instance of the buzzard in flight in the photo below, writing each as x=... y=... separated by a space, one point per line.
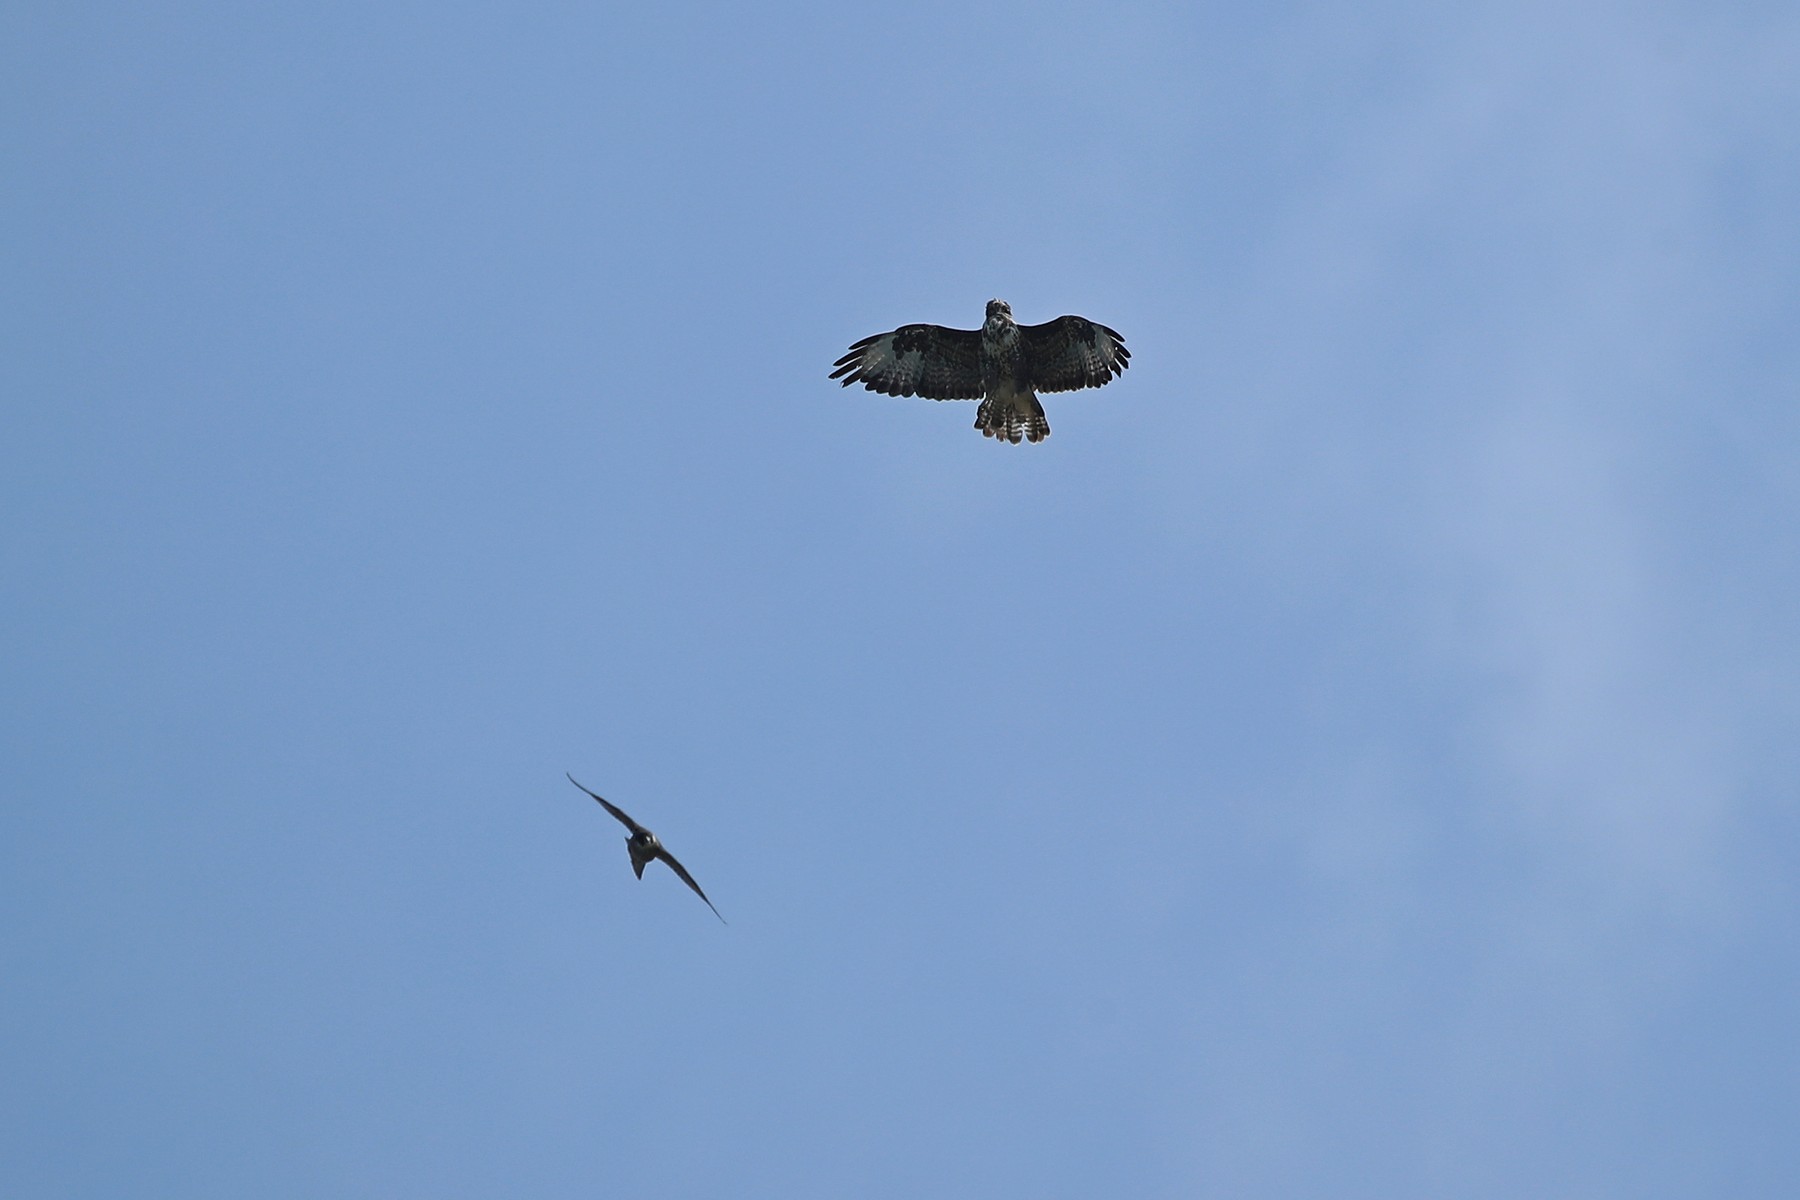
x=1002 y=364
x=645 y=848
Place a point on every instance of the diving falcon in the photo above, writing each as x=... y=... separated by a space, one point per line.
x=645 y=848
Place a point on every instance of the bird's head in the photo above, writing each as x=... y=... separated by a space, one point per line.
x=997 y=309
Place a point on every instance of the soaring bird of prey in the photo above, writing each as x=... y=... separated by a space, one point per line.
x=646 y=848
x=1002 y=364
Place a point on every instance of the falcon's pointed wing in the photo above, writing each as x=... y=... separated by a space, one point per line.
x=613 y=809
x=917 y=360
x=688 y=879
x=1073 y=352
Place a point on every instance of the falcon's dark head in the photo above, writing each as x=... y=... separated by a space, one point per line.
x=999 y=308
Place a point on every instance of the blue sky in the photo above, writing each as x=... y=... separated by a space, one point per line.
x=1353 y=756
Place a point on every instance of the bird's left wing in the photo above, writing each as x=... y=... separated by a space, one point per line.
x=611 y=808
x=916 y=360
x=1073 y=352
x=680 y=870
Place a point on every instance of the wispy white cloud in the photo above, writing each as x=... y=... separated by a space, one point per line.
x=1490 y=347
x=1518 y=274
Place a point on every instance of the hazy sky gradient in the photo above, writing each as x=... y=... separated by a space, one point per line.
x=1355 y=755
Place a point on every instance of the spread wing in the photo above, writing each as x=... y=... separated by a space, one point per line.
x=917 y=360
x=688 y=879
x=615 y=811
x=1073 y=352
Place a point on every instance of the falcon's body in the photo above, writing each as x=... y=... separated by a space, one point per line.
x=1003 y=364
x=645 y=848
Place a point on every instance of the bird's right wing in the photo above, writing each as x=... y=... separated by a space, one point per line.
x=680 y=870
x=1073 y=352
x=613 y=809
x=917 y=360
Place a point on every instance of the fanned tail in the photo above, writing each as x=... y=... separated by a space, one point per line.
x=1011 y=418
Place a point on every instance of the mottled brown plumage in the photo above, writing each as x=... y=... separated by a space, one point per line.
x=1002 y=364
